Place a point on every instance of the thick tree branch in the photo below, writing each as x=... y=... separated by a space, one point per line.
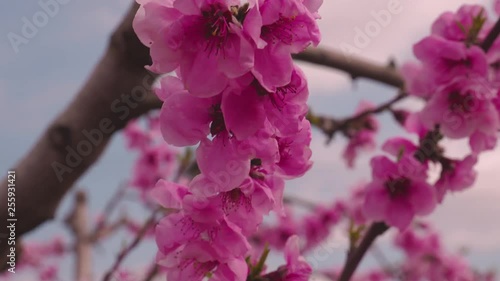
x=356 y=67
x=118 y=90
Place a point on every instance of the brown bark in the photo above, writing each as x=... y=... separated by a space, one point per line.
x=356 y=67
x=100 y=108
x=78 y=222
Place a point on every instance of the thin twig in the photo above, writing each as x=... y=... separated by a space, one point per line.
x=108 y=209
x=131 y=246
x=491 y=37
x=299 y=202
x=152 y=273
x=330 y=126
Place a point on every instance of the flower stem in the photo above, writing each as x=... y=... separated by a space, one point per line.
x=355 y=257
x=491 y=37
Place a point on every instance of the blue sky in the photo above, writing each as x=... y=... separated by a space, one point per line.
x=47 y=71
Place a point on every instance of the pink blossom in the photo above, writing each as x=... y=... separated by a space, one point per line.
x=48 y=273
x=295 y=154
x=195 y=36
x=457 y=177
x=353 y=207
x=297 y=269
x=238 y=112
x=248 y=115
x=169 y=194
x=317 y=226
x=125 y=275
x=277 y=235
x=461 y=108
x=155 y=162
x=427 y=259
x=190 y=249
x=457 y=26
x=279 y=28
x=136 y=137
x=398 y=147
x=397 y=192
x=34 y=253
x=361 y=136
x=414 y=124
x=480 y=141
x=416 y=244
x=243 y=111
x=286 y=106
x=444 y=60
x=418 y=81
x=223 y=164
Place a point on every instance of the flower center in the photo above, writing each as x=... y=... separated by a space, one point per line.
x=461 y=103
x=256 y=170
x=280 y=31
x=200 y=269
x=277 y=97
x=233 y=199
x=284 y=148
x=151 y=159
x=217 y=124
x=398 y=187
x=217 y=30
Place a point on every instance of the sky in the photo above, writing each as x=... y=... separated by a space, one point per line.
x=39 y=77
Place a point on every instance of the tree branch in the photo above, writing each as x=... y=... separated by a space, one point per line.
x=77 y=221
x=152 y=273
x=356 y=67
x=330 y=125
x=117 y=91
x=124 y=253
x=356 y=256
x=491 y=37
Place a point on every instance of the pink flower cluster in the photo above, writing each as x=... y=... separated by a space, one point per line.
x=312 y=228
x=399 y=189
x=40 y=257
x=426 y=258
x=156 y=160
x=361 y=134
x=457 y=79
x=459 y=83
x=237 y=94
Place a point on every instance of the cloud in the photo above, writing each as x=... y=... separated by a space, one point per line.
x=342 y=21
